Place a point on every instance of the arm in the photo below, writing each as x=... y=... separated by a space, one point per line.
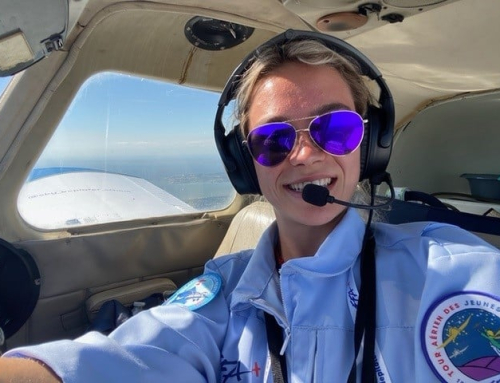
x=145 y=348
x=167 y=342
x=25 y=370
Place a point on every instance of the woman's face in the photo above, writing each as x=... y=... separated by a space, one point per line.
x=295 y=91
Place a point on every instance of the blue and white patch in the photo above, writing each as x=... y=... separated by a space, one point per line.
x=197 y=292
x=460 y=338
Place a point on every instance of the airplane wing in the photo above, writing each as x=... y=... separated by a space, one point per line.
x=86 y=197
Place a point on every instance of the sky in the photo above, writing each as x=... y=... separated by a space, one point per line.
x=3 y=83
x=120 y=115
x=119 y=118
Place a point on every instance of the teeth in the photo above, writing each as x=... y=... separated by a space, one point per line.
x=300 y=186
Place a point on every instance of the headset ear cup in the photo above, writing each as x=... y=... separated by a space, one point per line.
x=364 y=153
x=242 y=175
x=376 y=152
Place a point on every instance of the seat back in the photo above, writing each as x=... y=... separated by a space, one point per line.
x=246 y=228
x=485 y=226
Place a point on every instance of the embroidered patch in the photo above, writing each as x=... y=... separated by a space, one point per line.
x=197 y=292
x=460 y=338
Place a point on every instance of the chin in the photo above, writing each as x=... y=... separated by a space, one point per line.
x=323 y=215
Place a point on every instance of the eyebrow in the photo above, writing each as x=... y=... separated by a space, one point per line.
x=316 y=112
x=330 y=108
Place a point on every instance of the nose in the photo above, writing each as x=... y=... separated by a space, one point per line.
x=305 y=150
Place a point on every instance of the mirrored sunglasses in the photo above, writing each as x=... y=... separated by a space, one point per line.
x=337 y=133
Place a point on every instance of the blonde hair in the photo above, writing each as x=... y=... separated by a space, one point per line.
x=310 y=52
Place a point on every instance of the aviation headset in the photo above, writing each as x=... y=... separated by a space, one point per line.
x=377 y=142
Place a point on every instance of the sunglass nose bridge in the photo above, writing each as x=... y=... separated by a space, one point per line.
x=304 y=146
x=304 y=134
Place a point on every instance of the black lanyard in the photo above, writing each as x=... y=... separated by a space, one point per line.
x=275 y=342
x=364 y=324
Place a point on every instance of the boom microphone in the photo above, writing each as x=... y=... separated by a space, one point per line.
x=317 y=195
x=320 y=196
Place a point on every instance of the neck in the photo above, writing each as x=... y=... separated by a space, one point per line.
x=297 y=240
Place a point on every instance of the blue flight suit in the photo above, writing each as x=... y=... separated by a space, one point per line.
x=438 y=315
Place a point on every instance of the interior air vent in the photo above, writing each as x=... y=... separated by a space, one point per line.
x=343 y=21
x=214 y=35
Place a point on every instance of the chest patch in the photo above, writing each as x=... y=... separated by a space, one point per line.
x=460 y=338
x=197 y=292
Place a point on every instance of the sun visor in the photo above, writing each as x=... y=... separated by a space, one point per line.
x=29 y=31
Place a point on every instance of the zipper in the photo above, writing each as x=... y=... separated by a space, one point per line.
x=280 y=319
x=286 y=341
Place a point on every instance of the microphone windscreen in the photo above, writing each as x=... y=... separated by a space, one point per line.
x=315 y=194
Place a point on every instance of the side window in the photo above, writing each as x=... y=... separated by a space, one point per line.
x=4 y=81
x=128 y=148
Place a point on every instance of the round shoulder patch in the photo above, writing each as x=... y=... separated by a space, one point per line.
x=197 y=292
x=460 y=337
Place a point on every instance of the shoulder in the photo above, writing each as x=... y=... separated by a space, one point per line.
x=440 y=258
x=426 y=247
x=451 y=239
x=210 y=289
x=230 y=267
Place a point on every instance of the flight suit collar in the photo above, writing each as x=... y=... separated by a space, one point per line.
x=259 y=284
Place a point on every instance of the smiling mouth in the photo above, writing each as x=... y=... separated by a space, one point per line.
x=298 y=187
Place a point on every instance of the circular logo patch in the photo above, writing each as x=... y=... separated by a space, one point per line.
x=197 y=292
x=460 y=338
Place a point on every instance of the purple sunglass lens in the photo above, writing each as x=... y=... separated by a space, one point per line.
x=271 y=143
x=338 y=133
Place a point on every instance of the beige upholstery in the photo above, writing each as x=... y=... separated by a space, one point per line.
x=247 y=227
